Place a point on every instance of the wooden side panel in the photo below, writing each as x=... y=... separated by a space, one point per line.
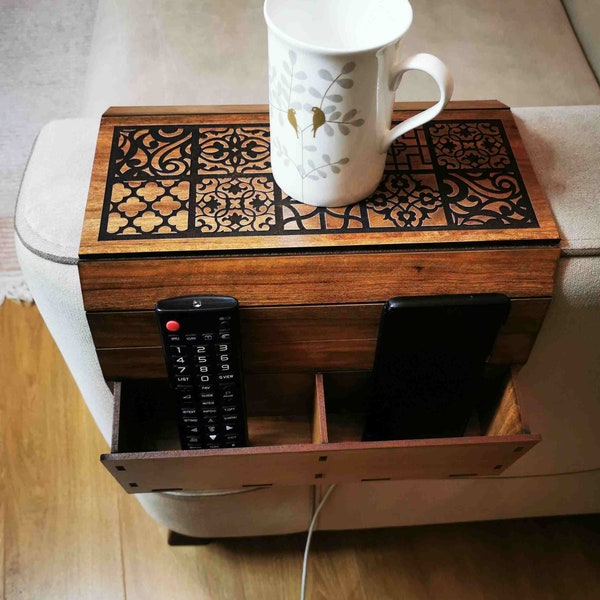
x=296 y=339
x=318 y=278
x=319 y=419
x=507 y=417
x=330 y=355
x=291 y=323
x=324 y=463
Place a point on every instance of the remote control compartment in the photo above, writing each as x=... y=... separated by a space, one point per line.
x=305 y=429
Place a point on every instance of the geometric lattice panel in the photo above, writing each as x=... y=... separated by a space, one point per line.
x=214 y=180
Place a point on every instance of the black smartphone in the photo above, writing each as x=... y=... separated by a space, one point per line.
x=429 y=360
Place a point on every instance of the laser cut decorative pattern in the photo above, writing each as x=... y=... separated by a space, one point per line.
x=215 y=180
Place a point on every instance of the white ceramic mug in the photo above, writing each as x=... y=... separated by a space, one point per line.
x=333 y=73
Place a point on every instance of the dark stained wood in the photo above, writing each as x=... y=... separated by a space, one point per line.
x=298 y=357
x=288 y=461
x=320 y=278
x=91 y=245
x=124 y=329
x=309 y=339
x=309 y=303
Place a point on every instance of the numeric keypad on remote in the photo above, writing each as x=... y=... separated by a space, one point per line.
x=204 y=367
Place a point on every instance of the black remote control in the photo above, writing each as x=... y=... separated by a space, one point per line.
x=202 y=350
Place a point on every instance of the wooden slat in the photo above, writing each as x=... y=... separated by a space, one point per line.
x=226 y=109
x=291 y=323
x=320 y=278
x=507 y=417
x=300 y=339
x=320 y=435
x=327 y=355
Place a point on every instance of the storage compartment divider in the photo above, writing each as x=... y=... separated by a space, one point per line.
x=296 y=440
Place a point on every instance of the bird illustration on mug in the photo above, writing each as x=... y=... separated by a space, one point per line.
x=291 y=116
x=318 y=119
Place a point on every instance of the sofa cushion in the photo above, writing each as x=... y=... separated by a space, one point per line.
x=215 y=52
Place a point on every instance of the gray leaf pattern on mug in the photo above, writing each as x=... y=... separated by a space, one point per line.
x=284 y=86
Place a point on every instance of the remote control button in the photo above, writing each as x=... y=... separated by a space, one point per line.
x=208 y=403
x=202 y=349
x=231 y=418
x=205 y=378
x=189 y=412
x=224 y=367
x=183 y=380
x=211 y=429
x=207 y=337
x=192 y=429
x=209 y=412
x=229 y=428
x=177 y=350
x=175 y=339
x=191 y=338
x=209 y=420
x=228 y=392
x=224 y=335
x=181 y=370
x=201 y=359
x=191 y=422
x=225 y=377
x=229 y=409
x=172 y=326
x=223 y=347
x=232 y=437
x=193 y=439
x=213 y=438
x=185 y=396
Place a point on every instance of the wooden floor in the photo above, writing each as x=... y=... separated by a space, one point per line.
x=69 y=532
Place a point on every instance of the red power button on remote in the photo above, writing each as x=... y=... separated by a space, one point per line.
x=172 y=325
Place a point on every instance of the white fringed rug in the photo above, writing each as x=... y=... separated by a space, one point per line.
x=12 y=282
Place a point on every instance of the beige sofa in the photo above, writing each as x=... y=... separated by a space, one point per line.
x=525 y=54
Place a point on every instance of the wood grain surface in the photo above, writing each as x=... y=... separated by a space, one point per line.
x=318 y=279
x=61 y=527
x=292 y=339
x=71 y=533
x=281 y=453
x=91 y=245
x=283 y=324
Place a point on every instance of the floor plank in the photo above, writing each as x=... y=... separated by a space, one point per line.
x=61 y=536
x=71 y=533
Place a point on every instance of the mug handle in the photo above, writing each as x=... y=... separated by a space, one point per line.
x=434 y=67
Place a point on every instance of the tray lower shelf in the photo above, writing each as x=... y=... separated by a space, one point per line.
x=311 y=434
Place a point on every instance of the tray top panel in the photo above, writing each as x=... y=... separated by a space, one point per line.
x=200 y=182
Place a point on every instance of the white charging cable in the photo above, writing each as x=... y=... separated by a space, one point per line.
x=310 y=532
